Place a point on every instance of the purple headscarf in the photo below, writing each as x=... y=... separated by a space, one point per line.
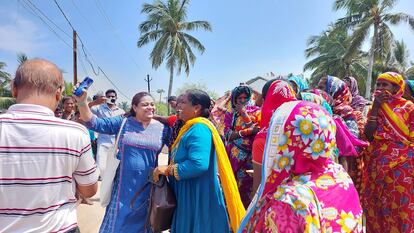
x=358 y=102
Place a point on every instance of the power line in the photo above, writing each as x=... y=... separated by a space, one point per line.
x=64 y=15
x=44 y=15
x=113 y=30
x=32 y=11
x=86 y=55
x=106 y=76
x=84 y=17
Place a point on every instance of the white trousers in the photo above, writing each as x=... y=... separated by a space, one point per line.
x=104 y=150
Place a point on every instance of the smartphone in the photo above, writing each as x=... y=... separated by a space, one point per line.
x=85 y=84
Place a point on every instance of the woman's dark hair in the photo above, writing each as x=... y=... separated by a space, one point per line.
x=266 y=87
x=200 y=97
x=136 y=100
x=69 y=97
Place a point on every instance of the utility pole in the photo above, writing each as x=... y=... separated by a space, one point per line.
x=148 y=80
x=75 y=62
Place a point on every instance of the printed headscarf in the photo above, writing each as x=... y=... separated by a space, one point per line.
x=279 y=93
x=410 y=84
x=342 y=98
x=396 y=79
x=301 y=139
x=322 y=94
x=312 y=97
x=300 y=82
x=358 y=102
x=237 y=91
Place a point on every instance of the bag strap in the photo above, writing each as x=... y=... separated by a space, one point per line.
x=118 y=136
x=131 y=204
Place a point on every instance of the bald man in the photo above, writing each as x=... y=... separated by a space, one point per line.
x=44 y=160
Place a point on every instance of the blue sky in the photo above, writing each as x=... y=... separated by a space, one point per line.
x=249 y=38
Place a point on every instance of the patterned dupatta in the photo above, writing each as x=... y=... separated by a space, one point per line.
x=279 y=93
x=300 y=82
x=342 y=98
x=300 y=139
x=396 y=111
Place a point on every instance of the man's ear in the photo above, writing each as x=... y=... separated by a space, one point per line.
x=14 y=90
x=58 y=93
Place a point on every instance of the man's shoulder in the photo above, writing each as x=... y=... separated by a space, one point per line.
x=35 y=120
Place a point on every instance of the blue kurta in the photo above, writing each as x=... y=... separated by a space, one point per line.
x=200 y=200
x=138 y=150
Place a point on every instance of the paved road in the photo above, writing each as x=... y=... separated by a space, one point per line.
x=90 y=216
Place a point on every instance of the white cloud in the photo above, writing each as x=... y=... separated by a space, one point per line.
x=19 y=35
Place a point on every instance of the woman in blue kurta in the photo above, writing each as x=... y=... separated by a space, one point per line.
x=139 y=144
x=196 y=159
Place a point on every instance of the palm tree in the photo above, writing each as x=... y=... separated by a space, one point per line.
x=160 y=91
x=362 y=15
x=327 y=52
x=409 y=73
x=124 y=105
x=21 y=58
x=5 y=94
x=401 y=56
x=166 y=25
x=68 y=89
x=5 y=80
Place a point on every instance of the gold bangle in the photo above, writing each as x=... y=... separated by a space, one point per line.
x=175 y=172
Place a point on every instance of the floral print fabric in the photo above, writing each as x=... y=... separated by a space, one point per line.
x=301 y=184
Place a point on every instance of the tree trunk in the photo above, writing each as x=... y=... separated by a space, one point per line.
x=170 y=87
x=371 y=63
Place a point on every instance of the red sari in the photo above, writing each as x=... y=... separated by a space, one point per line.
x=388 y=197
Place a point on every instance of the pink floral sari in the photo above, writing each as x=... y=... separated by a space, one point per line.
x=302 y=189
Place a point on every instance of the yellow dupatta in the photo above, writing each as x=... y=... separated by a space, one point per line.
x=235 y=208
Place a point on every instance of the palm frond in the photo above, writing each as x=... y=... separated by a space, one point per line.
x=388 y=4
x=6 y=102
x=385 y=41
x=195 y=25
x=149 y=37
x=358 y=37
x=194 y=42
x=395 y=19
x=159 y=51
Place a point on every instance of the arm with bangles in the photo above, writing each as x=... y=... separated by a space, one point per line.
x=372 y=122
x=198 y=161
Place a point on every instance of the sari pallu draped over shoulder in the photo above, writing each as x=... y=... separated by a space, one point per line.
x=396 y=111
x=388 y=184
x=234 y=204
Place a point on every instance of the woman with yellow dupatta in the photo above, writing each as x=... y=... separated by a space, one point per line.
x=200 y=173
x=388 y=198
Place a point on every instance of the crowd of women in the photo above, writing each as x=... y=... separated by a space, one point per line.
x=307 y=160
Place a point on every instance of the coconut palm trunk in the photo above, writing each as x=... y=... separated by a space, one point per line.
x=170 y=85
x=371 y=63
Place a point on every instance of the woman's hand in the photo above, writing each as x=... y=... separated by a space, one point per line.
x=160 y=170
x=83 y=97
x=84 y=110
x=381 y=98
x=241 y=109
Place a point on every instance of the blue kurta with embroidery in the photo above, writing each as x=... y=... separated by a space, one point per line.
x=200 y=200
x=138 y=150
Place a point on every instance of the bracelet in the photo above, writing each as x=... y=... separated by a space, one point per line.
x=240 y=135
x=82 y=104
